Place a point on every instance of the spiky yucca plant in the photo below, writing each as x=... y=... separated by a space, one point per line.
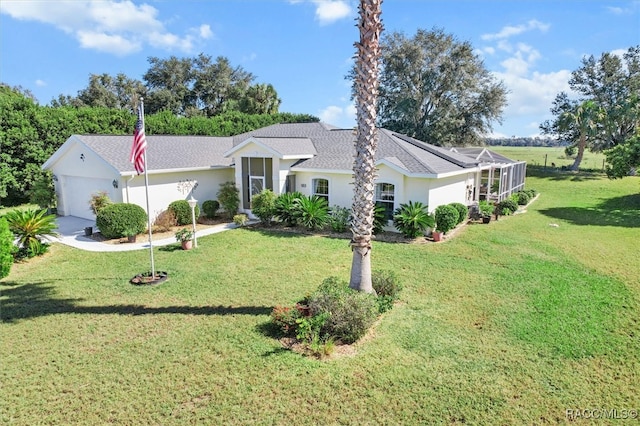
x=31 y=227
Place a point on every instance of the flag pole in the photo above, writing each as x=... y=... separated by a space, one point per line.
x=146 y=189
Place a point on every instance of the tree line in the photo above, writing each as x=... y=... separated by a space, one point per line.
x=188 y=87
x=30 y=133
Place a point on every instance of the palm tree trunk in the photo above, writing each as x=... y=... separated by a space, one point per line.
x=582 y=144
x=366 y=91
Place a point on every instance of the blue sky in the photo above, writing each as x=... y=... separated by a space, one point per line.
x=305 y=47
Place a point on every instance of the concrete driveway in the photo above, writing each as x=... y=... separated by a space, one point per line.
x=71 y=230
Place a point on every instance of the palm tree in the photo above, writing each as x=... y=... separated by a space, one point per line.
x=583 y=120
x=366 y=93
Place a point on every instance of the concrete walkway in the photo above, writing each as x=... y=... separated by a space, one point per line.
x=71 y=230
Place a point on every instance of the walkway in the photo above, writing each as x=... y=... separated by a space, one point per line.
x=71 y=230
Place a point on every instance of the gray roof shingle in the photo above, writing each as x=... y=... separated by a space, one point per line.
x=332 y=149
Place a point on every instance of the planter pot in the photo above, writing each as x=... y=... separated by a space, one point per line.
x=88 y=231
x=187 y=245
x=486 y=219
x=438 y=236
x=131 y=238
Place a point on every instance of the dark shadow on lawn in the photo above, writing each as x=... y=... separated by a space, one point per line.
x=620 y=211
x=37 y=300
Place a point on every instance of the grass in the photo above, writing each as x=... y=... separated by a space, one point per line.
x=508 y=323
x=536 y=156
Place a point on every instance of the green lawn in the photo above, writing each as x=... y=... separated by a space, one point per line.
x=508 y=323
x=536 y=156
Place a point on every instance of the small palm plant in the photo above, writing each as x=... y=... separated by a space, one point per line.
x=31 y=227
x=413 y=219
x=312 y=212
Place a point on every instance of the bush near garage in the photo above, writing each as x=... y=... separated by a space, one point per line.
x=115 y=220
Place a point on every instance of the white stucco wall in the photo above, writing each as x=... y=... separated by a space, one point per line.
x=447 y=190
x=168 y=187
x=340 y=186
x=79 y=174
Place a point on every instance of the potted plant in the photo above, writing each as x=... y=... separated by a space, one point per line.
x=486 y=210
x=446 y=219
x=185 y=237
x=131 y=234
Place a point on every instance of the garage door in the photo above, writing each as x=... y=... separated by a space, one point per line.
x=78 y=191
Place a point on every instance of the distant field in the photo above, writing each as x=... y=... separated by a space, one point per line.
x=536 y=156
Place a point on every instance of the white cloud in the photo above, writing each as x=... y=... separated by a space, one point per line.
x=533 y=95
x=116 y=27
x=205 y=31
x=329 y=11
x=41 y=83
x=102 y=42
x=339 y=116
x=510 y=30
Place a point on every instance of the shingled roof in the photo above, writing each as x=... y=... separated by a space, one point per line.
x=318 y=145
x=164 y=153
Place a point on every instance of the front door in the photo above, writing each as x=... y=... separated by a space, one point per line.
x=256 y=185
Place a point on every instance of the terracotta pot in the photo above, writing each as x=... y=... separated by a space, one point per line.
x=187 y=245
x=438 y=236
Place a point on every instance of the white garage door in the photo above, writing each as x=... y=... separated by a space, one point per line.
x=78 y=191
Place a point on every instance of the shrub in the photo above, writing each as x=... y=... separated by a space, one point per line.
x=486 y=208
x=286 y=207
x=263 y=205
x=182 y=211
x=98 y=201
x=531 y=192
x=43 y=192
x=412 y=219
x=6 y=248
x=285 y=319
x=463 y=211
x=229 y=198
x=210 y=208
x=165 y=221
x=507 y=207
x=31 y=227
x=339 y=218
x=240 y=219
x=446 y=218
x=351 y=312
x=312 y=212
x=379 y=221
x=523 y=198
x=387 y=287
x=117 y=218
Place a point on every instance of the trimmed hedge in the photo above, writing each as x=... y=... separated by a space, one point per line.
x=182 y=211
x=463 y=211
x=6 y=248
x=118 y=219
x=210 y=208
x=446 y=218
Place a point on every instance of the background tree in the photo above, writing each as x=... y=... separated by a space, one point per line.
x=576 y=122
x=170 y=84
x=434 y=88
x=260 y=99
x=623 y=159
x=613 y=83
x=608 y=109
x=218 y=86
x=366 y=93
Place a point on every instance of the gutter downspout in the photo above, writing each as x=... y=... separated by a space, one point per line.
x=130 y=179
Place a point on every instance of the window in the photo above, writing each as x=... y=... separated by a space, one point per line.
x=385 y=196
x=321 y=188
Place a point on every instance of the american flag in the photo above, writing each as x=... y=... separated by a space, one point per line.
x=139 y=144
